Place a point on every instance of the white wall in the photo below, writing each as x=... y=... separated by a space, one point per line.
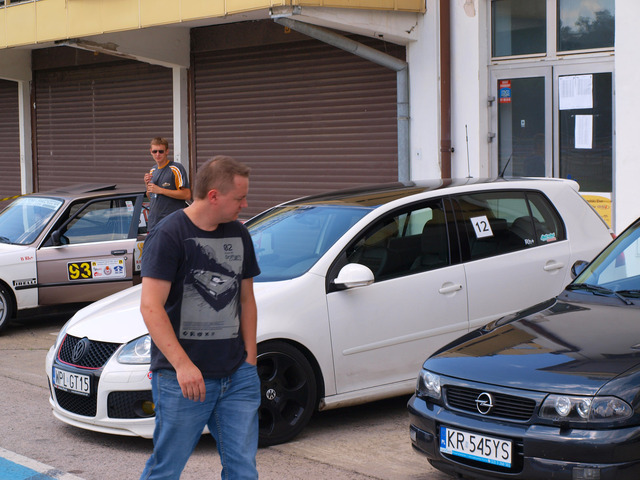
x=469 y=74
x=469 y=87
x=627 y=111
x=424 y=83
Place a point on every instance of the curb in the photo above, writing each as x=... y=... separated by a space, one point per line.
x=17 y=467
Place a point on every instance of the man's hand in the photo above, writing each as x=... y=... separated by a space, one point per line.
x=191 y=382
x=153 y=188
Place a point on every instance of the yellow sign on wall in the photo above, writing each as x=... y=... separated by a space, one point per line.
x=601 y=201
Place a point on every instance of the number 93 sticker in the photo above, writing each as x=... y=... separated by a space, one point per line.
x=85 y=270
x=79 y=270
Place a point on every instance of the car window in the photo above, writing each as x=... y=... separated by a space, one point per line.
x=404 y=242
x=289 y=240
x=547 y=222
x=618 y=266
x=24 y=219
x=101 y=221
x=500 y=222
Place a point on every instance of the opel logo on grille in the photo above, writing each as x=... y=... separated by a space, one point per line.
x=80 y=349
x=484 y=403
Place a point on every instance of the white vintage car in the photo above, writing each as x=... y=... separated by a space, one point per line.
x=356 y=288
x=72 y=245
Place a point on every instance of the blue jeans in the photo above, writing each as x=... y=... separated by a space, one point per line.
x=230 y=410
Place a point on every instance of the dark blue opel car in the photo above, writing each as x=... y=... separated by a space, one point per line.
x=550 y=392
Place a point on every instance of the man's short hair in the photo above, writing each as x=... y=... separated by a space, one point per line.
x=218 y=173
x=160 y=141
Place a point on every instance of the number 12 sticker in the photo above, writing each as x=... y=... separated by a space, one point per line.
x=481 y=226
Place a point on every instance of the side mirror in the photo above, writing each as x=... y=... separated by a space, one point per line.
x=354 y=275
x=55 y=237
x=578 y=268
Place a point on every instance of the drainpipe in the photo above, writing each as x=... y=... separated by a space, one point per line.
x=399 y=66
x=445 y=89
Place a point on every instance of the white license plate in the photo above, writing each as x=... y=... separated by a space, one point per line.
x=481 y=448
x=71 y=382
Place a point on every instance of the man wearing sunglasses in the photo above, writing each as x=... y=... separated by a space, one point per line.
x=167 y=184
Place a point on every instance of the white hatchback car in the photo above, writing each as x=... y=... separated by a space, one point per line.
x=356 y=287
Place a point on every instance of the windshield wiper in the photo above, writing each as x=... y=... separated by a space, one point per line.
x=629 y=293
x=5 y=239
x=598 y=290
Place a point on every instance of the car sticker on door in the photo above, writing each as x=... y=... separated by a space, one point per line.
x=96 y=269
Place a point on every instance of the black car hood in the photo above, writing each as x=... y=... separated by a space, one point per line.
x=570 y=347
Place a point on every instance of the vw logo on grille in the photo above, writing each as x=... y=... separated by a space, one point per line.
x=484 y=403
x=80 y=349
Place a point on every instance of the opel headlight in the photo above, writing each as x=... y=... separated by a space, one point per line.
x=428 y=385
x=584 y=409
x=137 y=351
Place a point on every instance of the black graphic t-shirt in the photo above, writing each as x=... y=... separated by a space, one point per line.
x=206 y=270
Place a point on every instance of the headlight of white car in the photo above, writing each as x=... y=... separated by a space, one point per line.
x=61 y=334
x=585 y=409
x=136 y=352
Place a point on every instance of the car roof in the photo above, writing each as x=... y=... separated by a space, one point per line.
x=89 y=190
x=376 y=195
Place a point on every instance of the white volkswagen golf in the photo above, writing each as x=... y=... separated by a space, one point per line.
x=356 y=288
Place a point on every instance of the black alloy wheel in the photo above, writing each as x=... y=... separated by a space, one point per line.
x=288 y=392
x=6 y=307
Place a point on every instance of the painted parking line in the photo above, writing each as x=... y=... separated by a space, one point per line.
x=17 y=467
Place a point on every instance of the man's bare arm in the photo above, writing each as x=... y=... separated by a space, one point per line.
x=249 y=319
x=181 y=194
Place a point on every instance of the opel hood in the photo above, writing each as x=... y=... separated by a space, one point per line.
x=568 y=347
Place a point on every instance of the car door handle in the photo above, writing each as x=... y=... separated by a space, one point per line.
x=553 y=265
x=118 y=252
x=449 y=288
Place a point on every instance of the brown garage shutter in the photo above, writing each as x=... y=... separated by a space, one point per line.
x=9 y=141
x=307 y=117
x=94 y=123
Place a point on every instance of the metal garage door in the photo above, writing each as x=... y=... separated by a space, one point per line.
x=94 y=123
x=9 y=141
x=307 y=117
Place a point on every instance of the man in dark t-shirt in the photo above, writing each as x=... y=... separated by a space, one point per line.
x=167 y=184
x=198 y=304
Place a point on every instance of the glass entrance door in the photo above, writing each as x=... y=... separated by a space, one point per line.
x=585 y=128
x=557 y=121
x=523 y=121
x=580 y=106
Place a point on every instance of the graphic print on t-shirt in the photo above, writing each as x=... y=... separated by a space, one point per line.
x=210 y=297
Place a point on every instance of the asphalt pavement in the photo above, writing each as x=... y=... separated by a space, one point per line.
x=366 y=442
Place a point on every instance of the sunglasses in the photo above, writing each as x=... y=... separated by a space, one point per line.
x=157 y=151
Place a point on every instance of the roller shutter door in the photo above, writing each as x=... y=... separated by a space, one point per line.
x=94 y=123
x=9 y=141
x=307 y=117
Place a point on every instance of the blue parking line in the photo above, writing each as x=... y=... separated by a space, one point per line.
x=17 y=467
